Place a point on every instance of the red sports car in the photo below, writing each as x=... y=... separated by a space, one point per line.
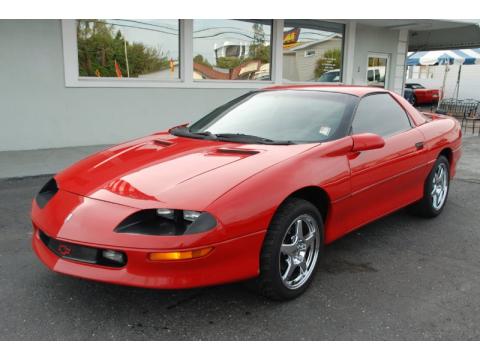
x=254 y=189
x=422 y=95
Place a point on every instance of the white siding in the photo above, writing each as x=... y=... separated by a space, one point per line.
x=38 y=111
x=375 y=40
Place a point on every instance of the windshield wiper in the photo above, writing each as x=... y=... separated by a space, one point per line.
x=252 y=138
x=234 y=137
x=184 y=131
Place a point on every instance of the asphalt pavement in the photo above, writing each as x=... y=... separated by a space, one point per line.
x=399 y=278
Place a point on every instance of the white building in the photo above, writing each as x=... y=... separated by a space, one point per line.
x=47 y=101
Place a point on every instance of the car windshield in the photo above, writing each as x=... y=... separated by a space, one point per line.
x=416 y=86
x=281 y=116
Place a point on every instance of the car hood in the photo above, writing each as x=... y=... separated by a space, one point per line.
x=163 y=170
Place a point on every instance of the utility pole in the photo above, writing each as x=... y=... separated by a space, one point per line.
x=126 y=56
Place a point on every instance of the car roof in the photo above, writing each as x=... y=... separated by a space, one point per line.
x=345 y=89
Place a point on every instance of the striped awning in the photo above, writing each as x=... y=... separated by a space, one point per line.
x=443 y=57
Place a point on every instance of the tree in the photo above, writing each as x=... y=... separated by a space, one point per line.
x=99 y=46
x=199 y=59
x=329 y=61
x=257 y=49
x=228 y=62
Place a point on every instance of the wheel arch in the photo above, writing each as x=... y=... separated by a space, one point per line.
x=448 y=153
x=316 y=195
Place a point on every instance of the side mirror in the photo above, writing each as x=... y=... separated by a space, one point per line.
x=367 y=141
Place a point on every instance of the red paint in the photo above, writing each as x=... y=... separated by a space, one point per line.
x=426 y=96
x=242 y=185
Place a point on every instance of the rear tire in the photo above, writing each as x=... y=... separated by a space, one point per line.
x=413 y=100
x=435 y=191
x=291 y=250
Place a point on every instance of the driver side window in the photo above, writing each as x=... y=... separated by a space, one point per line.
x=380 y=114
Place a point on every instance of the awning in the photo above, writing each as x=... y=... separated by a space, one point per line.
x=458 y=37
x=441 y=57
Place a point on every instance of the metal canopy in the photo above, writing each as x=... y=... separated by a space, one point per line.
x=462 y=37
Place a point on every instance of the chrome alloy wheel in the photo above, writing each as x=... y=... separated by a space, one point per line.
x=299 y=251
x=439 y=186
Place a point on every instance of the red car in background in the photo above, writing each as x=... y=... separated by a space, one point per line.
x=422 y=95
x=254 y=189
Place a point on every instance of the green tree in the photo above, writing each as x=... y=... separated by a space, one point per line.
x=228 y=62
x=329 y=61
x=199 y=59
x=257 y=49
x=99 y=46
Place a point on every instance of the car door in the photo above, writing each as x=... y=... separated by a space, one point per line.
x=385 y=179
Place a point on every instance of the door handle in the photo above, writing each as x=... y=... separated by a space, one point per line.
x=419 y=145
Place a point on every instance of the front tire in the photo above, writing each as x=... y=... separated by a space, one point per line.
x=435 y=192
x=291 y=250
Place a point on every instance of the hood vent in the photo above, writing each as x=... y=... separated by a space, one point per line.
x=163 y=143
x=238 y=151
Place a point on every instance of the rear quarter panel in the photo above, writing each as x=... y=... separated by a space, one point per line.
x=442 y=132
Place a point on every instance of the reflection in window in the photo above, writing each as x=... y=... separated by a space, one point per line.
x=312 y=50
x=377 y=69
x=128 y=48
x=232 y=49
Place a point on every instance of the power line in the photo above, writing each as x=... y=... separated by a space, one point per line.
x=149 y=24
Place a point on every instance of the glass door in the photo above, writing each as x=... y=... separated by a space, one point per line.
x=377 y=70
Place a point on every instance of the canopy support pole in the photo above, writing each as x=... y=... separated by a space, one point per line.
x=457 y=85
x=445 y=72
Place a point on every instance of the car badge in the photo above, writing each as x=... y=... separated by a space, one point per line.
x=64 y=250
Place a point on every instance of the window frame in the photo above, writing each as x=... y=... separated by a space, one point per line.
x=410 y=121
x=72 y=78
x=306 y=53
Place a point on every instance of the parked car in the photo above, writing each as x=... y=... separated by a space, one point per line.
x=330 y=76
x=253 y=190
x=422 y=95
x=376 y=76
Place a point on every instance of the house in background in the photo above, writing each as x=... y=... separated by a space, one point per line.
x=300 y=61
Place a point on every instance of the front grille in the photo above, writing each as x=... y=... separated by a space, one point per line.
x=81 y=253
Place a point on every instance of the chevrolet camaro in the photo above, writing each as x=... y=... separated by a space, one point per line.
x=419 y=95
x=252 y=190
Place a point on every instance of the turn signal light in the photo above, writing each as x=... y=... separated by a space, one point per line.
x=179 y=255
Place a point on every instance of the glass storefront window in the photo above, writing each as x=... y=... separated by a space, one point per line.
x=124 y=48
x=312 y=50
x=232 y=49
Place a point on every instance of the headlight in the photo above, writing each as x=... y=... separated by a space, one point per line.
x=167 y=222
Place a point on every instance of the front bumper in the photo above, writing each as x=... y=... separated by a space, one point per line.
x=231 y=260
x=91 y=224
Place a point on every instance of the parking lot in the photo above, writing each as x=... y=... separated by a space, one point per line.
x=400 y=278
